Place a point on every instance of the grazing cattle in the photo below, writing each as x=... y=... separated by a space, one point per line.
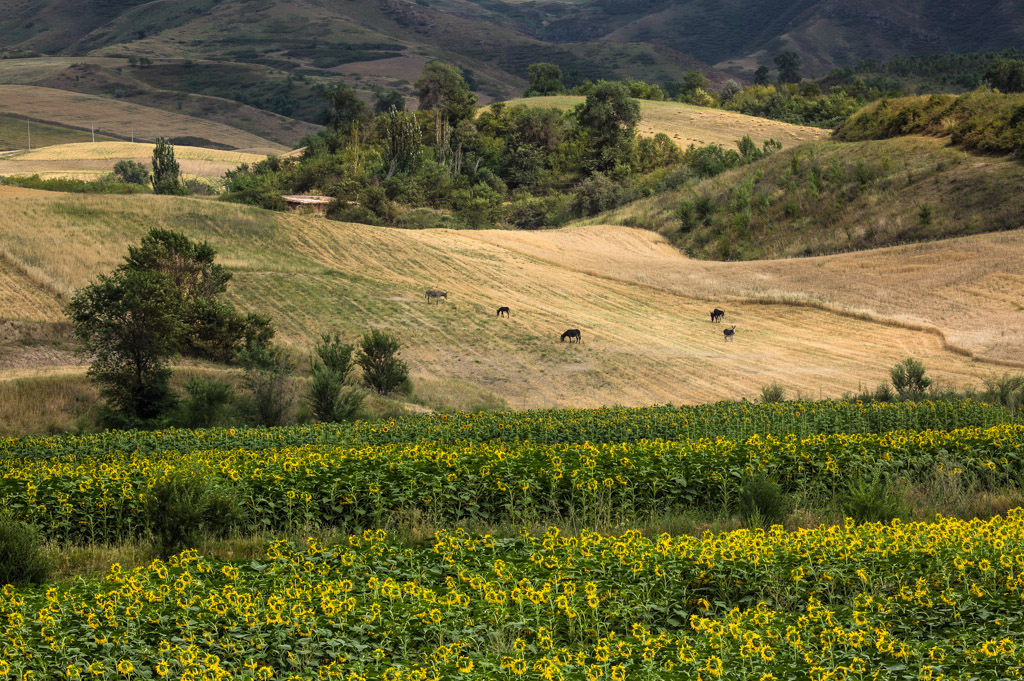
x=729 y=333
x=503 y=311
x=437 y=296
x=572 y=334
x=716 y=315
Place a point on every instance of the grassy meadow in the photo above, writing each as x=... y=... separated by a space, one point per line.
x=647 y=338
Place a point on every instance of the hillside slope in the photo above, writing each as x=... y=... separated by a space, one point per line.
x=647 y=338
x=123 y=120
x=829 y=197
x=686 y=124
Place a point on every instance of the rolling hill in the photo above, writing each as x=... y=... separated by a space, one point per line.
x=814 y=326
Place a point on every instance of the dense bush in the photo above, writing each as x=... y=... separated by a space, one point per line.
x=22 y=560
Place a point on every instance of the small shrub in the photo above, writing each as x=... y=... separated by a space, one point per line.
x=336 y=355
x=266 y=375
x=924 y=215
x=183 y=509
x=869 y=501
x=22 y=560
x=131 y=172
x=909 y=380
x=761 y=502
x=1008 y=391
x=772 y=393
x=383 y=372
x=204 y=403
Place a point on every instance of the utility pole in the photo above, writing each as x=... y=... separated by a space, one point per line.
x=92 y=129
x=28 y=125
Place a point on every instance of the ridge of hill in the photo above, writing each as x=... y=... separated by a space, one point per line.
x=499 y=38
x=642 y=306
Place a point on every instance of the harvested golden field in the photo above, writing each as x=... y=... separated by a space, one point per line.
x=118 y=118
x=642 y=307
x=88 y=160
x=687 y=124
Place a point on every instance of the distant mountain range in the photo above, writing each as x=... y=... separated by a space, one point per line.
x=385 y=43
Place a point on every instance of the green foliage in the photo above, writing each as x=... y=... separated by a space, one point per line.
x=343 y=108
x=388 y=100
x=383 y=371
x=595 y=194
x=329 y=399
x=70 y=185
x=788 y=64
x=761 y=502
x=545 y=79
x=166 y=176
x=130 y=322
x=162 y=301
x=204 y=403
x=610 y=117
x=441 y=88
x=266 y=376
x=131 y=172
x=870 y=499
x=22 y=560
x=909 y=380
x=1007 y=390
x=982 y=121
x=1006 y=74
x=184 y=508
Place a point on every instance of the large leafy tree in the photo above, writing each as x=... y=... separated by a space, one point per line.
x=162 y=301
x=788 y=64
x=442 y=89
x=609 y=116
x=343 y=107
x=130 y=321
x=545 y=79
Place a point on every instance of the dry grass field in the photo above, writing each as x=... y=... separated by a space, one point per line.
x=687 y=124
x=642 y=307
x=118 y=118
x=89 y=160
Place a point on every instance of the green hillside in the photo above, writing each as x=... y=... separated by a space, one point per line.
x=828 y=197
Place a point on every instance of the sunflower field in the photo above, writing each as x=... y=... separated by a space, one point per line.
x=942 y=598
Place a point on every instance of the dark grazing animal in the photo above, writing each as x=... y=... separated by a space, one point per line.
x=503 y=311
x=716 y=315
x=729 y=333
x=573 y=334
x=436 y=295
